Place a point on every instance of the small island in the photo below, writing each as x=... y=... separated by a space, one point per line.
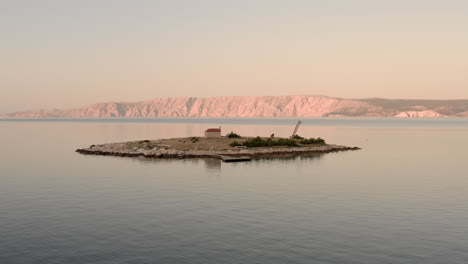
x=231 y=147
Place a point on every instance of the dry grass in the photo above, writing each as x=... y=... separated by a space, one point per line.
x=200 y=143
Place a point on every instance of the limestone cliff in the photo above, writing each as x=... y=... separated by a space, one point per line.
x=260 y=106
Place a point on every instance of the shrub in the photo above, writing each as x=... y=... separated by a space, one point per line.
x=235 y=144
x=297 y=137
x=286 y=142
x=233 y=135
x=259 y=142
x=313 y=141
x=320 y=140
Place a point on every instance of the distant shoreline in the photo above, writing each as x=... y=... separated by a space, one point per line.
x=293 y=106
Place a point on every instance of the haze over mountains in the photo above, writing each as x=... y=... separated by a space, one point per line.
x=260 y=106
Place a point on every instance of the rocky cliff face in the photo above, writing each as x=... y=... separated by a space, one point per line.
x=261 y=106
x=427 y=113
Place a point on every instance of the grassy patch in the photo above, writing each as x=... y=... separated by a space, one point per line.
x=259 y=142
x=297 y=137
x=313 y=141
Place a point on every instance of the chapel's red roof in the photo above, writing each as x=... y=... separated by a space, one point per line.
x=213 y=130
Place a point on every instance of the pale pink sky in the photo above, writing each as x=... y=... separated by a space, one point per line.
x=74 y=53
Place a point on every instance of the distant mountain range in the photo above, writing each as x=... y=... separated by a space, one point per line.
x=261 y=106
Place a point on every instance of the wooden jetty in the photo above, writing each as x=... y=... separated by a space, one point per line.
x=234 y=159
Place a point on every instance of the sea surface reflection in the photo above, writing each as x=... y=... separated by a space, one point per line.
x=401 y=199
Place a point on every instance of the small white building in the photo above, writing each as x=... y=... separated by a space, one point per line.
x=213 y=132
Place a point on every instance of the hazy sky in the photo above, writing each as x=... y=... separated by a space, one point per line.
x=72 y=53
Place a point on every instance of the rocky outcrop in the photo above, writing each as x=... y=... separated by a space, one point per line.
x=162 y=152
x=260 y=106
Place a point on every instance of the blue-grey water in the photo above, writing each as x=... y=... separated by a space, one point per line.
x=403 y=198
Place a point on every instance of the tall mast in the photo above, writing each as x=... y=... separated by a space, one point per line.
x=296 y=128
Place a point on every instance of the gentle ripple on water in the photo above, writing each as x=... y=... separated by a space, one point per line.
x=402 y=199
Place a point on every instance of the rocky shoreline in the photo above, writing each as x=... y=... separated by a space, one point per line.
x=161 y=151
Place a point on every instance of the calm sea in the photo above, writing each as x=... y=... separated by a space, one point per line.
x=403 y=198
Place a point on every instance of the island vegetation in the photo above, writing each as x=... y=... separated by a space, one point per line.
x=232 y=135
x=295 y=141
